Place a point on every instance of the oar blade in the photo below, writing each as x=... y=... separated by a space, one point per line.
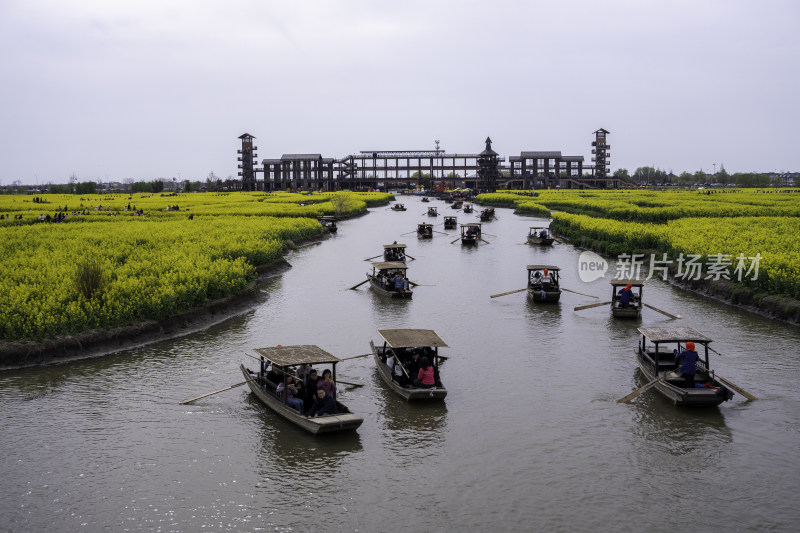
x=737 y=388
x=661 y=311
x=637 y=392
x=581 y=293
x=358 y=285
x=215 y=392
x=509 y=292
x=582 y=307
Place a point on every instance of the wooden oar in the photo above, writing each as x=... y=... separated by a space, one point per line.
x=640 y=390
x=412 y=258
x=581 y=293
x=371 y=258
x=356 y=356
x=509 y=292
x=408 y=232
x=216 y=391
x=439 y=232
x=351 y=384
x=360 y=284
x=736 y=388
x=484 y=240
x=660 y=311
x=582 y=307
x=453 y=242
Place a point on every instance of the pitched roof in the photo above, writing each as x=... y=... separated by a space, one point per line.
x=411 y=338
x=297 y=355
x=680 y=334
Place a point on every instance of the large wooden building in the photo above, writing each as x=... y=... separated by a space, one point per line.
x=383 y=169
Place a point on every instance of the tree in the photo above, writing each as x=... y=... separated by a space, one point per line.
x=700 y=177
x=722 y=177
x=158 y=186
x=649 y=176
x=622 y=174
x=86 y=187
x=685 y=178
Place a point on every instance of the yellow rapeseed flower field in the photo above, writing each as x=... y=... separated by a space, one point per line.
x=155 y=260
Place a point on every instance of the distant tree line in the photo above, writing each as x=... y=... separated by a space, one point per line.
x=649 y=176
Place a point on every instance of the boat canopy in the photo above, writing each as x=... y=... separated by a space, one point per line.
x=328 y=217
x=395 y=245
x=543 y=267
x=540 y=227
x=681 y=334
x=390 y=265
x=297 y=355
x=425 y=224
x=623 y=282
x=471 y=225
x=411 y=338
x=450 y=217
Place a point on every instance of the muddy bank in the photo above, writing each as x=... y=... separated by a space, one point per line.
x=772 y=305
x=101 y=342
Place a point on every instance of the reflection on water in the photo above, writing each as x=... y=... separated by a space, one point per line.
x=664 y=425
x=287 y=448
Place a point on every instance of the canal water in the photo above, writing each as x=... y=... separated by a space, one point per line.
x=530 y=436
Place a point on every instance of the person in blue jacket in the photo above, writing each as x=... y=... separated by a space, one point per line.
x=625 y=296
x=688 y=364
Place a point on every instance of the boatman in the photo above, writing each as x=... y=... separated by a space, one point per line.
x=688 y=364
x=626 y=296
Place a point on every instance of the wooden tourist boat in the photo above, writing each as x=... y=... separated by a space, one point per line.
x=656 y=357
x=382 y=279
x=543 y=283
x=450 y=222
x=394 y=252
x=425 y=230
x=329 y=222
x=457 y=204
x=634 y=307
x=401 y=343
x=540 y=235
x=398 y=207
x=287 y=359
x=467 y=208
x=487 y=214
x=433 y=212
x=425 y=199
x=470 y=233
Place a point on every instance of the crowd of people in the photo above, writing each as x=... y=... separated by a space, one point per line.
x=411 y=367
x=393 y=282
x=311 y=394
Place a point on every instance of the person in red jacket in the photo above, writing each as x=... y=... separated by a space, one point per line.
x=425 y=377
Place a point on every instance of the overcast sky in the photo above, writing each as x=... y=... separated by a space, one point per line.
x=159 y=89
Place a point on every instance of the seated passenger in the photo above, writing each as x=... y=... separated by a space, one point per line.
x=396 y=370
x=311 y=388
x=291 y=399
x=323 y=405
x=275 y=375
x=400 y=283
x=425 y=377
x=327 y=383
